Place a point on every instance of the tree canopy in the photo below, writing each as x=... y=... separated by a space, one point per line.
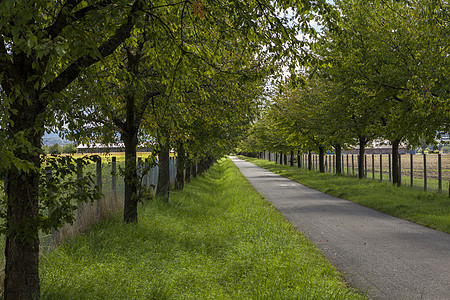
x=380 y=73
x=140 y=50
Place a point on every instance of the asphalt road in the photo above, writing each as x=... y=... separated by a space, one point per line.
x=387 y=257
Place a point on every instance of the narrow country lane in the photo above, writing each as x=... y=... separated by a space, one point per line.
x=390 y=258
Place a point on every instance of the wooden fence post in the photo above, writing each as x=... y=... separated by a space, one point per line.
x=381 y=167
x=365 y=166
x=440 y=172
x=390 y=162
x=99 y=183
x=334 y=165
x=146 y=165
x=113 y=176
x=79 y=178
x=425 y=172
x=411 y=159
x=373 y=166
x=353 y=165
x=348 y=170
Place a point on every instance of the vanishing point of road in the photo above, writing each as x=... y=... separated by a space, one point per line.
x=387 y=257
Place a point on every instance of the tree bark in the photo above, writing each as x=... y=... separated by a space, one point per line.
x=202 y=166
x=299 y=161
x=396 y=179
x=194 y=170
x=22 y=241
x=321 y=160
x=181 y=158
x=362 y=150
x=164 y=175
x=338 y=150
x=187 y=174
x=131 y=180
x=285 y=159
x=309 y=160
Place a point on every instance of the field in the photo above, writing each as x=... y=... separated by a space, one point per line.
x=378 y=162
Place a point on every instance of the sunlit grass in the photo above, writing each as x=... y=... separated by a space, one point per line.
x=217 y=239
x=430 y=209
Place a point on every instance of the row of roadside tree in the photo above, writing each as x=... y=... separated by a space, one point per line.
x=381 y=73
x=186 y=75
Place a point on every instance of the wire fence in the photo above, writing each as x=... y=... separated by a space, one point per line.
x=430 y=172
x=108 y=174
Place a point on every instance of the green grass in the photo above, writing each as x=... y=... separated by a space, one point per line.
x=217 y=239
x=430 y=209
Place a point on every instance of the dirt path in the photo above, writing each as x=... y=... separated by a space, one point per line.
x=388 y=257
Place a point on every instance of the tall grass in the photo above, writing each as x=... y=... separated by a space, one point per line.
x=217 y=239
x=430 y=209
x=85 y=216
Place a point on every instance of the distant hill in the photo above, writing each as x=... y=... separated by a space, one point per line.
x=53 y=138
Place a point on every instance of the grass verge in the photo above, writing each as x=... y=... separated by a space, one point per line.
x=430 y=209
x=217 y=239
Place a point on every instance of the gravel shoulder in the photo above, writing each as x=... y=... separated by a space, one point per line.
x=387 y=257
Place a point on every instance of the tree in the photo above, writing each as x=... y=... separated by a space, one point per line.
x=375 y=53
x=43 y=47
x=54 y=149
x=69 y=148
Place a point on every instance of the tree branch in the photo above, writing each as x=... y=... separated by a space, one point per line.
x=65 y=17
x=107 y=48
x=146 y=101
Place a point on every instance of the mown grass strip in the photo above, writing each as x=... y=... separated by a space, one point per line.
x=430 y=209
x=217 y=239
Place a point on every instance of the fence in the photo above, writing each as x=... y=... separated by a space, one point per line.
x=428 y=171
x=110 y=183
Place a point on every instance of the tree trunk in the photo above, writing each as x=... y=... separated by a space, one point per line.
x=285 y=159
x=362 y=150
x=396 y=179
x=164 y=175
x=22 y=240
x=321 y=160
x=187 y=173
x=131 y=179
x=202 y=166
x=292 y=158
x=22 y=248
x=130 y=140
x=194 y=170
x=299 y=161
x=181 y=158
x=309 y=160
x=338 y=150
